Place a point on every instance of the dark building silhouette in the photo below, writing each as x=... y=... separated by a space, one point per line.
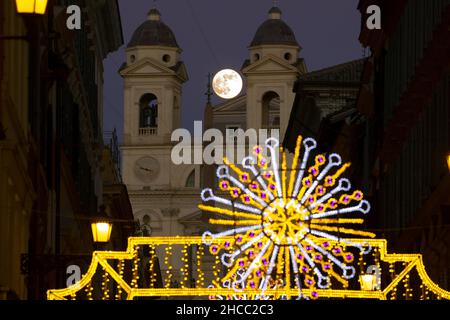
x=396 y=131
x=56 y=172
x=405 y=96
x=325 y=101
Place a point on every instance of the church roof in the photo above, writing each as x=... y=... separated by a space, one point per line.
x=274 y=31
x=324 y=96
x=345 y=72
x=153 y=32
x=297 y=64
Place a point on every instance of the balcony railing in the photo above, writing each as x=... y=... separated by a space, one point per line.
x=146 y=132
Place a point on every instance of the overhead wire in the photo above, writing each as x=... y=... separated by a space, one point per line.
x=202 y=32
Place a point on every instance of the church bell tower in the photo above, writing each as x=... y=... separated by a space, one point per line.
x=161 y=193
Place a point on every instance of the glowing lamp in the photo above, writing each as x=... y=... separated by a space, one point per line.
x=37 y=7
x=448 y=161
x=101 y=231
x=368 y=282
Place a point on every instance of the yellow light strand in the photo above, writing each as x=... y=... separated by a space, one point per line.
x=200 y=275
x=168 y=265
x=121 y=265
x=341 y=171
x=234 y=222
x=339 y=278
x=185 y=270
x=294 y=164
x=238 y=171
x=216 y=269
x=343 y=230
x=105 y=286
x=151 y=268
x=230 y=213
x=338 y=221
x=89 y=290
x=413 y=260
x=287 y=270
x=135 y=269
x=283 y=174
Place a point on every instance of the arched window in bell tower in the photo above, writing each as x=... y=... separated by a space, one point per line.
x=271 y=110
x=148 y=110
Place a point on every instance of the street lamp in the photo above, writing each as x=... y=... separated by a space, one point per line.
x=30 y=8
x=101 y=231
x=36 y=7
x=101 y=226
x=448 y=161
x=368 y=282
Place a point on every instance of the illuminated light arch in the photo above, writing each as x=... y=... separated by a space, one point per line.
x=104 y=263
x=288 y=234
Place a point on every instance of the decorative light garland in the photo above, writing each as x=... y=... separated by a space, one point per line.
x=414 y=262
x=169 y=267
x=152 y=274
x=185 y=269
x=105 y=285
x=200 y=275
x=135 y=268
x=393 y=295
x=284 y=238
x=89 y=289
x=121 y=266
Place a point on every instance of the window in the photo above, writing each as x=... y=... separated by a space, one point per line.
x=271 y=110
x=256 y=57
x=288 y=56
x=166 y=58
x=148 y=111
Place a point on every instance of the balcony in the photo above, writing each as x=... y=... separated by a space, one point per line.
x=146 y=132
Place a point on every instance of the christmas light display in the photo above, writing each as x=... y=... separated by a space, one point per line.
x=276 y=215
x=287 y=233
x=400 y=265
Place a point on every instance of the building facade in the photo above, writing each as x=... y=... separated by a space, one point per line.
x=52 y=89
x=17 y=193
x=324 y=100
x=406 y=98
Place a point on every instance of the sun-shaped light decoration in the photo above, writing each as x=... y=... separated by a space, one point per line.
x=286 y=225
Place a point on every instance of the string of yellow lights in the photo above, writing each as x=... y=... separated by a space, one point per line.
x=408 y=262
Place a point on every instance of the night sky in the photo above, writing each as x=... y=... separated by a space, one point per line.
x=215 y=34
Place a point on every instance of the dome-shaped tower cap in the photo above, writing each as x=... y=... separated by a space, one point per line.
x=154 y=15
x=274 y=31
x=275 y=10
x=153 y=32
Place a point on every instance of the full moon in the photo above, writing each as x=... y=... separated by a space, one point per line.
x=227 y=84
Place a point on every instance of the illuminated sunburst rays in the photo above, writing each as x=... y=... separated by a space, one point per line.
x=289 y=226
